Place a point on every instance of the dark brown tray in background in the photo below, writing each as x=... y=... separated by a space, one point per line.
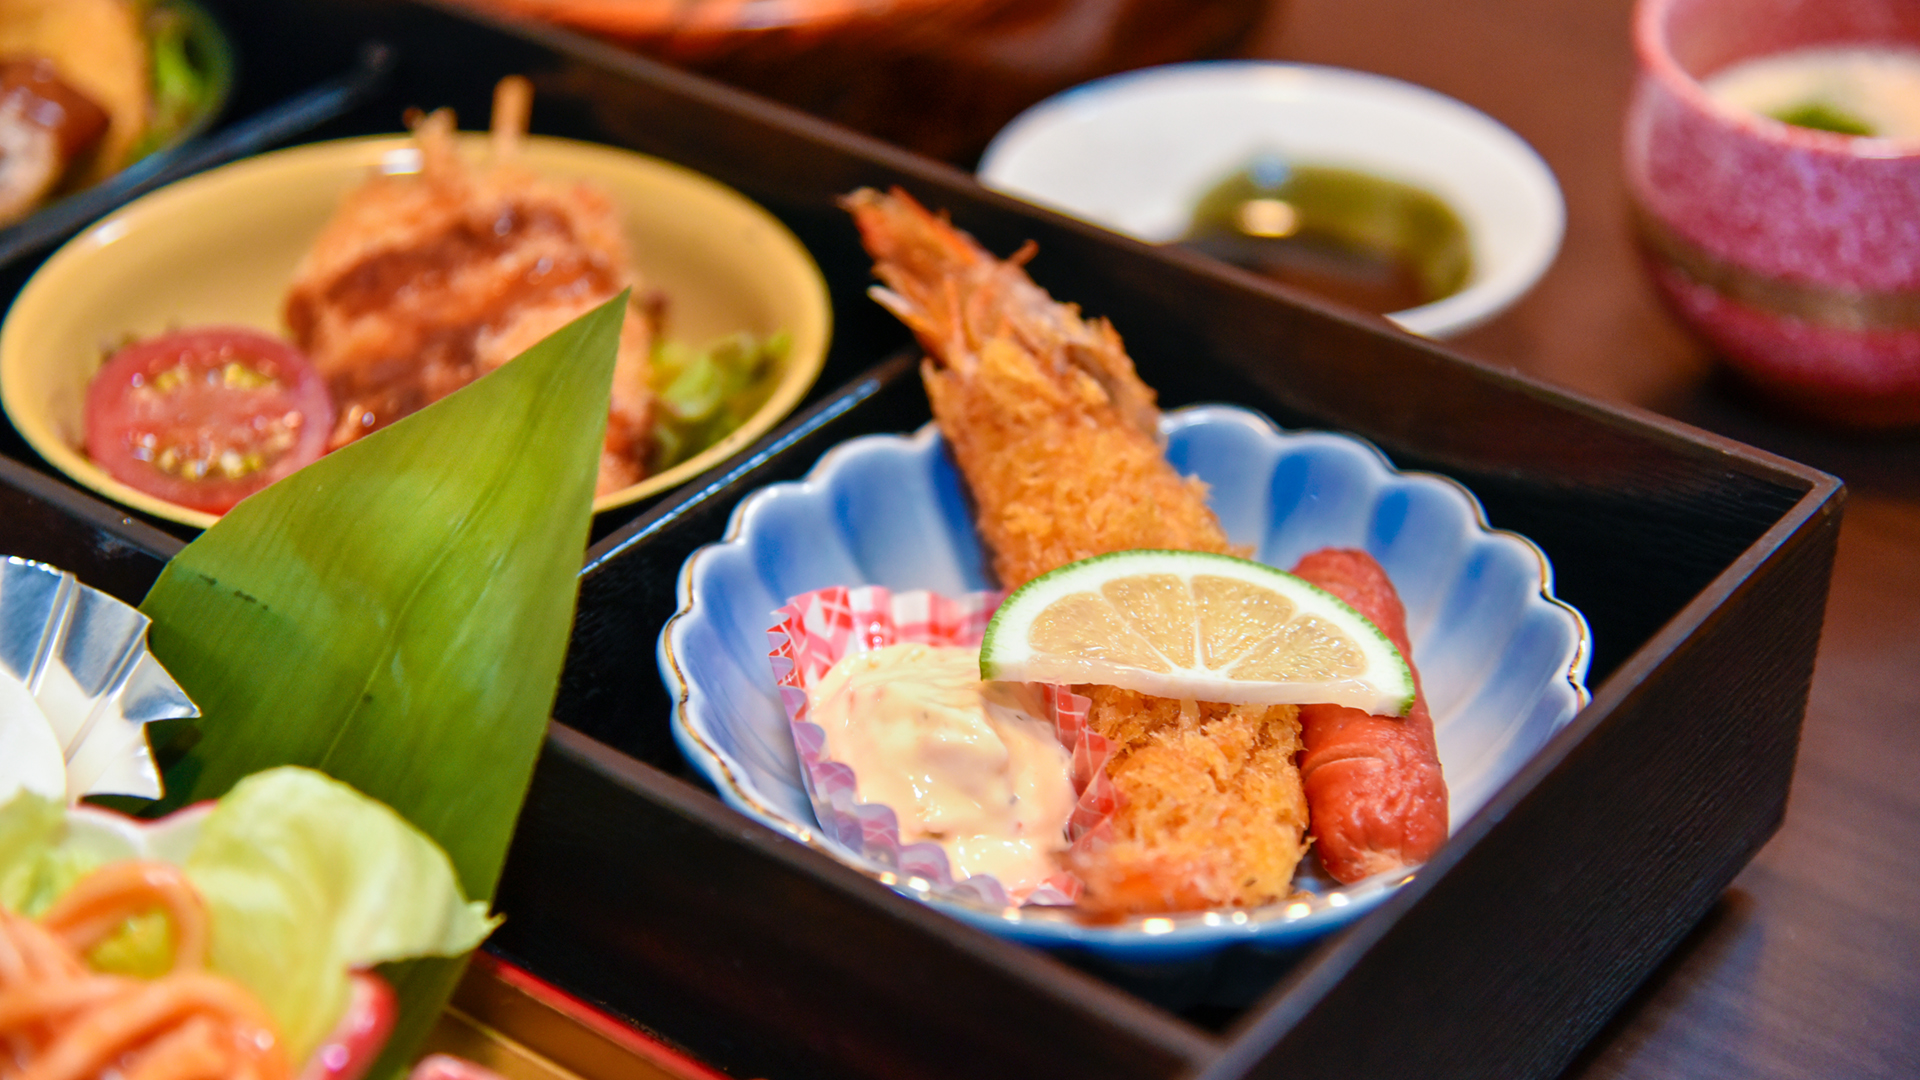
x=250 y=123
x=1700 y=564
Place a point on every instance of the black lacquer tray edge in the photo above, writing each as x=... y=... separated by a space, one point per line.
x=1305 y=1022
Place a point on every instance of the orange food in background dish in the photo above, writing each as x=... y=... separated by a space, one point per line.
x=422 y=283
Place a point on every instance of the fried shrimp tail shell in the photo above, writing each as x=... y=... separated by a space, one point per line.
x=1057 y=437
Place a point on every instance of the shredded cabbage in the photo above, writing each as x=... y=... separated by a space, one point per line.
x=704 y=394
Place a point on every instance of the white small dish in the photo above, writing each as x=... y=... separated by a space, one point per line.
x=1134 y=152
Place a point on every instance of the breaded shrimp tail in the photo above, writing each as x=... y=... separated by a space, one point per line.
x=1058 y=438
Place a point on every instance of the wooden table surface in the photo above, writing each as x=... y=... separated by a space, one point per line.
x=1810 y=965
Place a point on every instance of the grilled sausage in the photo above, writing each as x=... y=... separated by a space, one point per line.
x=1374 y=791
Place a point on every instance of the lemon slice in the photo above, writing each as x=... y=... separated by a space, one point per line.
x=1188 y=624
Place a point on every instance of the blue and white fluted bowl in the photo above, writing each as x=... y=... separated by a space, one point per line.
x=1502 y=662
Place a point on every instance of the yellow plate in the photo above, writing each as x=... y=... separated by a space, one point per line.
x=220 y=248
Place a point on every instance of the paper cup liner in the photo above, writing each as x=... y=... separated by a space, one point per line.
x=816 y=630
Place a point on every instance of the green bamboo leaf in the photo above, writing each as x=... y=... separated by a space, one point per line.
x=396 y=614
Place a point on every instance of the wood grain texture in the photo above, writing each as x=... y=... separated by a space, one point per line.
x=1809 y=966
x=45 y=520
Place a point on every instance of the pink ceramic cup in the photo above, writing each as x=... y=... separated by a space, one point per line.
x=1794 y=252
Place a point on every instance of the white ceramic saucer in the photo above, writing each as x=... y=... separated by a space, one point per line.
x=1134 y=152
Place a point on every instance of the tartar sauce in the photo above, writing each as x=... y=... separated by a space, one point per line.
x=964 y=763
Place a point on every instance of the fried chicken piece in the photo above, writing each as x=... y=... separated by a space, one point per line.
x=422 y=283
x=1060 y=445
x=1057 y=436
x=45 y=126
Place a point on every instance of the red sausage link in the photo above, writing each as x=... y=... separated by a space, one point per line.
x=1374 y=790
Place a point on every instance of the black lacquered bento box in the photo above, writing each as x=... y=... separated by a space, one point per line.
x=1701 y=565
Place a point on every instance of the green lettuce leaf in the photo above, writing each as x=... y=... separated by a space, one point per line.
x=304 y=878
x=34 y=869
x=702 y=395
x=40 y=860
x=396 y=614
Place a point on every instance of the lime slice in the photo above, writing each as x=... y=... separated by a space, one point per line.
x=1189 y=624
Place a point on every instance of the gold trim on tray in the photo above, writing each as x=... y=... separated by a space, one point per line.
x=1821 y=305
x=523 y=1029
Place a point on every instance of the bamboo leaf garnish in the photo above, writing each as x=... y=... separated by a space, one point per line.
x=396 y=614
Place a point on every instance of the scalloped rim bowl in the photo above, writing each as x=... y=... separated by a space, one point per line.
x=1502 y=661
x=220 y=248
x=1134 y=152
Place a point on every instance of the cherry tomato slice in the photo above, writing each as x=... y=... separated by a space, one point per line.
x=205 y=417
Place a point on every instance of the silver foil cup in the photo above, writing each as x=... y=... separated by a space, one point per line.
x=83 y=657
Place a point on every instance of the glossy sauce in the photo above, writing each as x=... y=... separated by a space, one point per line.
x=1365 y=241
x=443 y=356
x=964 y=763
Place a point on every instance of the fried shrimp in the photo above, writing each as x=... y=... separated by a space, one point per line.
x=1058 y=438
x=422 y=283
x=1214 y=812
x=1059 y=442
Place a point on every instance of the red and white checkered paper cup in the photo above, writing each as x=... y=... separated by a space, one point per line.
x=816 y=630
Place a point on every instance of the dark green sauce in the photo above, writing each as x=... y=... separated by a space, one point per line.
x=1821 y=116
x=1360 y=239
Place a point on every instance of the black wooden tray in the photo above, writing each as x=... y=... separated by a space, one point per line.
x=1701 y=564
